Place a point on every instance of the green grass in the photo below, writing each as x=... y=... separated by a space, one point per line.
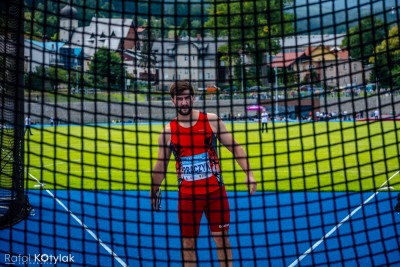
x=62 y=96
x=312 y=156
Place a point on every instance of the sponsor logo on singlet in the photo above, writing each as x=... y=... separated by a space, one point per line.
x=195 y=167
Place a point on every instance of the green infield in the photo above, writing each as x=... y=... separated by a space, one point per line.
x=332 y=156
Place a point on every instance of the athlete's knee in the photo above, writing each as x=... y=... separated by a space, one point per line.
x=189 y=243
x=221 y=240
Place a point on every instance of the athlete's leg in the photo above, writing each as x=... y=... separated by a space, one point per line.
x=190 y=211
x=224 y=250
x=189 y=257
x=218 y=216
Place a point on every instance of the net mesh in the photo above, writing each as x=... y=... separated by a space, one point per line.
x=14 y=206
x=308 y=89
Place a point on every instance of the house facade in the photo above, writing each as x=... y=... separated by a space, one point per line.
x=196 y=59
x=41 y=53
x=112 y=33
x=330 y=67
x=313 y=59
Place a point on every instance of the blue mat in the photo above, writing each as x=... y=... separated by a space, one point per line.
x=117 y=228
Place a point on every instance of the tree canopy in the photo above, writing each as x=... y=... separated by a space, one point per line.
x=362 y=39
x=106 y=69
x=386 y=58
x=248 y=24
x=251 y=28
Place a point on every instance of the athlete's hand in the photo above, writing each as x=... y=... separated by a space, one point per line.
x=251 y=184
x=155 y=198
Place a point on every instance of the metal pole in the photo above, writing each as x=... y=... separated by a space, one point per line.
x=276 y=91
x=242 y=61
x=77 y=81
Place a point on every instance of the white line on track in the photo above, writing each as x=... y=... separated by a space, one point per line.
x=84 y=226
x=345 y=219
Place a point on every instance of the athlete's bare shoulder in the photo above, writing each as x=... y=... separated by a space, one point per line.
x=167 y=129
x=212 y=117
x=165 y=135
x=215 y=122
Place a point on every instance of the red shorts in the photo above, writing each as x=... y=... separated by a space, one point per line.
x=215 y=205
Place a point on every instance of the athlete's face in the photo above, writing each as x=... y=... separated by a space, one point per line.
x=183 y=103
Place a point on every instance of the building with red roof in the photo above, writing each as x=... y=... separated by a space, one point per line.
x=323 y=65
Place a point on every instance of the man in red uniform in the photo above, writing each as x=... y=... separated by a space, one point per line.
x=192 y=137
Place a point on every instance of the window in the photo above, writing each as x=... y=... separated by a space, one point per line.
x=171 y=52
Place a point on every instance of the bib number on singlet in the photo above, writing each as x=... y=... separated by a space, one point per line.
x=196 y=167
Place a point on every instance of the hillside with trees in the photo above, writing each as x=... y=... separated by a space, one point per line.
x=309 y=16
x=337 y=16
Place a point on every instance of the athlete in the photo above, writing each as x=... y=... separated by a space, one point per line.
x=28 y=122
x=192 y=137
x=264 y=121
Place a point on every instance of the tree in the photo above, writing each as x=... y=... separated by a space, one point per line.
x=27 y=24
x=396 y=76
x=147 y=57
x=85 y=14
x=46 y=78
x=45 y=20
x=107 y=10
x=107 y=70
x=252 y=27
x=363 y=38
x=386 y=58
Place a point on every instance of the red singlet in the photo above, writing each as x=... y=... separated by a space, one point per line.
x=195 y=151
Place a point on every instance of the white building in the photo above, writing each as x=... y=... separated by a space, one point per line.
x=41 y=53
x=195 y=59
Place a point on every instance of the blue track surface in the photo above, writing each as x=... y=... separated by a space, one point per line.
x=267 y=229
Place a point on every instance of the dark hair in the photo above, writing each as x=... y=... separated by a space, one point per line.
x=178 y=87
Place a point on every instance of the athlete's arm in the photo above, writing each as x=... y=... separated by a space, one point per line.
x=226 y=138
x=161 y=165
